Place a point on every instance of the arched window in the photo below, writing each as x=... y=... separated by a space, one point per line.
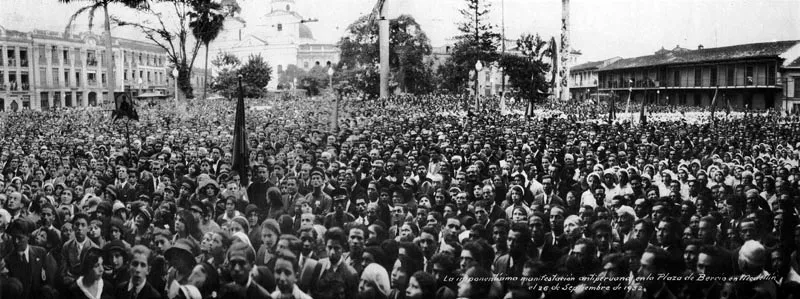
x=328 y=63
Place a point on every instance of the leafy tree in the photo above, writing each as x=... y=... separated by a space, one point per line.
x=256 y=74
x=527 y=72
x=91 y=9
x=315 y=79
x=478 y=41
x=288 y=76
x=408 y=45
x=176 y=38
x=206 y=22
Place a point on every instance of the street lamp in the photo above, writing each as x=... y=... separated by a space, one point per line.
x=175 y=75
x=478 y=68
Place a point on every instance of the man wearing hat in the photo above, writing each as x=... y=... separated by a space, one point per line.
x=320 y=202
x=34 y=268
x=181 y=258
x=338 y=217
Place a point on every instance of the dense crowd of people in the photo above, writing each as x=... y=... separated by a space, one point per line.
x=405 y=198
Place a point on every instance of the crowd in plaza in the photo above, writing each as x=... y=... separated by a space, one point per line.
x=410 y=197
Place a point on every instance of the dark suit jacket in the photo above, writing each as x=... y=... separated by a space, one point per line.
x=554 y=200
x=148 y=292
x=71 y=259
x=254 y=291
x=36 y=273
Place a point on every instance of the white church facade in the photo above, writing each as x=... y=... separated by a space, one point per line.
x=273 y=29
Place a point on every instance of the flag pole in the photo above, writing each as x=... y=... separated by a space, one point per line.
x=240 y=156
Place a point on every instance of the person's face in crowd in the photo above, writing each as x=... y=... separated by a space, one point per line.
x=657 y=212
x=240 y=268
x=707 y=232
x=664 y=234
x=122 y=173
x=705 y=265
x=519 y=215
x=117 y=259
x=690 y=256
x=413 y=291
x=306 y=220
x=335 y=250
x=94 y=229
x=139 y=268
x=269 y=238
x=398 y=214
x=406 y=232
x=235 y=227
x=285 y=276
x=460 y=179
x=14 y=202
x=81 y=229
x=399 y=276
x=603 y=238
x=453 y=226
x=253 y=218
x=748 y=231
x=263 y=174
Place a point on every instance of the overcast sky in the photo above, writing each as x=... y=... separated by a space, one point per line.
x=600 y=28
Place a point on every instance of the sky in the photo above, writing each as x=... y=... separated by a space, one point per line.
x=600 y=29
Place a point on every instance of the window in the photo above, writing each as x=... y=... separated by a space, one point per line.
x=125 y=76
x=55 y=77
x=92 y=78
x=57 y=99
x=66 y=56
x=713 y=76
x=280 y=27
x=42 y=54
x=730 y=76
x=771 y=74
x=78 y=61
x=288 y=8
x=91 y=58
x=676 y=80
x=78 y=98
x=796 y=87
x=43 y=77
x=78 y=79
x=103 y=78
x=23 y=57
x=54 y=55
x=66 y=78
x=2 y=81
x=68 y=99
x=698 y=77
x=44 y=101
x=749 y=75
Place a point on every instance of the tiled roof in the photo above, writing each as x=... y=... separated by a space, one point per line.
x=587 y=65
x=769 y=49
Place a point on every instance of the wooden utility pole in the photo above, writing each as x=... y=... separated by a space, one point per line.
x=383 y=41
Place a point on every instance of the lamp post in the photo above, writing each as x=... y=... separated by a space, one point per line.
x=478 y=68
x=658 y=97
x=175 y=75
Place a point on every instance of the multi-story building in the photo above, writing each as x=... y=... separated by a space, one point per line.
x=754 y=76
x=583 y=78
x=46 y=69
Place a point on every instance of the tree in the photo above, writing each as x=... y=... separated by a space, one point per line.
x=176 y=39
x=408 y=46
x=528 y=72
x=206 y=22
x=91 y=9
x=287 y=78
x=226 y=81
x=315 y=79
x=477 y=42
x=256 y=74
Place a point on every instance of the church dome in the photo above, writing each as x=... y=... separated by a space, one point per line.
x=305 y=32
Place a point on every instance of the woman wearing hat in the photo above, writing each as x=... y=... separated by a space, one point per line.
x=90 y=284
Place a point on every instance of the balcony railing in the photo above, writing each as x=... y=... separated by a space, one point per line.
x=91 y=62
x=24 y=63
x=92 y=82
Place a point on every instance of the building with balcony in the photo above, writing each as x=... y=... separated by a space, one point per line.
x=583 y=78
x=46 y=69
x=750 y=76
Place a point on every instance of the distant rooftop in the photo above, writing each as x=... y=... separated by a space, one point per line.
x=680 y=55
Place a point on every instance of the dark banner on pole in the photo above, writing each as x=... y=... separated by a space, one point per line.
x=240 y=152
